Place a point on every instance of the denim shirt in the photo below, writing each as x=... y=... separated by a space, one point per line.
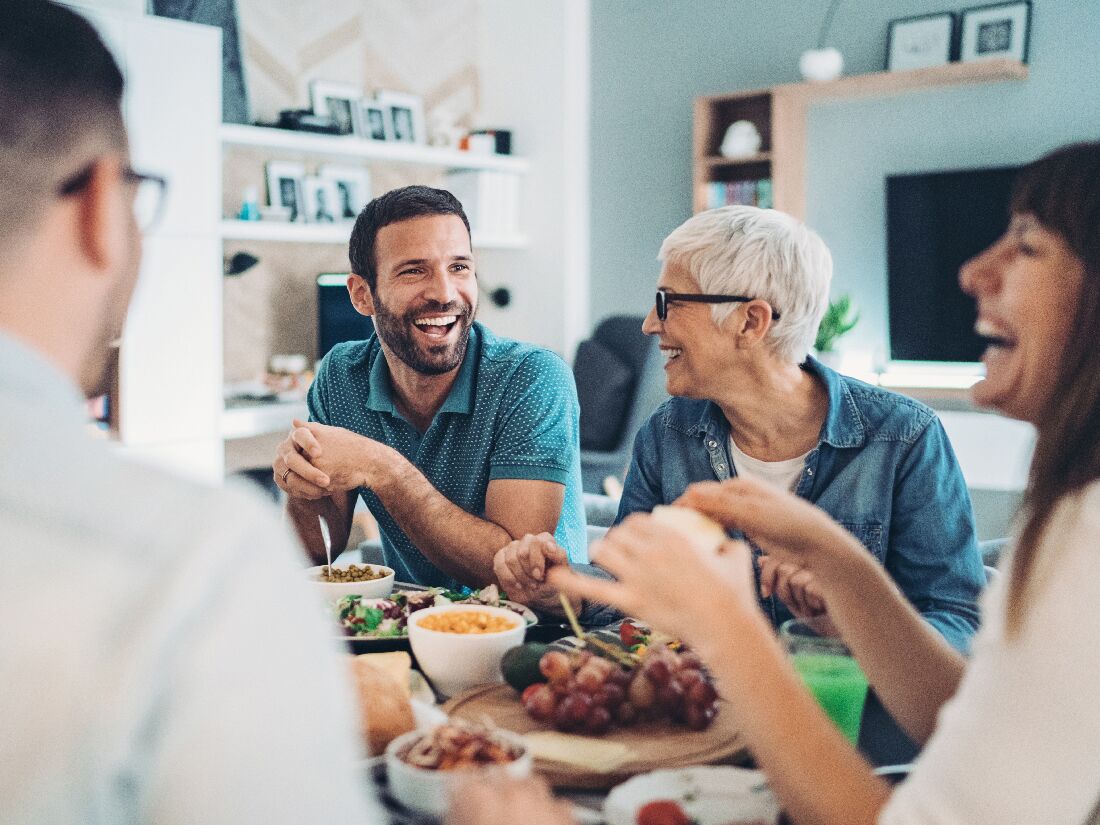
x=883 y=468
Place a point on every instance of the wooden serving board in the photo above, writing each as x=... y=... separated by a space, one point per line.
x=652 y=745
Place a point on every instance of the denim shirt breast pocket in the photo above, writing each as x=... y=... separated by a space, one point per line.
x=869 y=534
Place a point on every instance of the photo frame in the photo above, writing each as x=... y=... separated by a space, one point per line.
x=374 y=121
x=1001 y=30
x=319 y=199
x=340 y=101
x=284 y=186
x=404 y=115
x=920 y=42
x=352 y=189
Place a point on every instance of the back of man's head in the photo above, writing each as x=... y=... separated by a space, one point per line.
x=60 y=108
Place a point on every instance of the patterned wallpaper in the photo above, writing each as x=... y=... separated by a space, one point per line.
x=425 y=47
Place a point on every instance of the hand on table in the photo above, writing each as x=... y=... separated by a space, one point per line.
x=501 y=801
x=795 y=586
x=521 y=567
x=664 y=580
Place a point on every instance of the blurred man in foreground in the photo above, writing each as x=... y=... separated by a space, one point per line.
x=160 y=661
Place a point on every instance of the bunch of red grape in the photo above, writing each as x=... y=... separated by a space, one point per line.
x=587 y=693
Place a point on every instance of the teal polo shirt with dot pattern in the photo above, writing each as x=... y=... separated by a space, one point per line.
x=512 y=413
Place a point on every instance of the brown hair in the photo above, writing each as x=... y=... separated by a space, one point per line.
x=1062 y=191
x=60 y=99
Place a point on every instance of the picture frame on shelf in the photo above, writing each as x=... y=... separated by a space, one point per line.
x=1001 y=30
x=404 y=115
x=284 y=186
x=319 y=199
x=351 y=186
x=340 y=101
x=920 y=42
x=374 y=121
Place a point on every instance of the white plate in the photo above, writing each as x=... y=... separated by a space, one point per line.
x=710 y=795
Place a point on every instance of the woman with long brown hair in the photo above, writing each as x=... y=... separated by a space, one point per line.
x=1013 y=734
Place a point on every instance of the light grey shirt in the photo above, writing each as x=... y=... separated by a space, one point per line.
x=160 y=658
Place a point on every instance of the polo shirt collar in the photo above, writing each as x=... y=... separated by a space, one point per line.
x=461 y=397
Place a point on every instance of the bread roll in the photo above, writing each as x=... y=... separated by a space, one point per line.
x=382 y=686
x=704 y=533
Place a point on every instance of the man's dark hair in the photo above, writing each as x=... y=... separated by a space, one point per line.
x=60 y=105
x=396 y=205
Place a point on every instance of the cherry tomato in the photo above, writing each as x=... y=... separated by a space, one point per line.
x=662 y=812
x=631 y=634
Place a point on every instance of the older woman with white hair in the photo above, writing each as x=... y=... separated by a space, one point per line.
x=739 y=299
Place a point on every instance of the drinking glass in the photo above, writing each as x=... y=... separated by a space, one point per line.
x=828 y=669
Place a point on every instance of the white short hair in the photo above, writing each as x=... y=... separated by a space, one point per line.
x=759 y=253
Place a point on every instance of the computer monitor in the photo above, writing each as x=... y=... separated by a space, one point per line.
x=337 y=319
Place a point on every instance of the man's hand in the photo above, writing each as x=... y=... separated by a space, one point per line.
x=521 y=566
x=293 y=470
x=323 y=460
x=795 y=586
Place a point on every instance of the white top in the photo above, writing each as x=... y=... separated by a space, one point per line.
x=160 y=659
x=783 y=474
x=1020 y=741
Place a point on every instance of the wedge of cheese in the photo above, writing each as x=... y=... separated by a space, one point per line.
x=585 y=752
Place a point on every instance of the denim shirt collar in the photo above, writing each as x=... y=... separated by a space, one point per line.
x=459 y=400
x=844 y=425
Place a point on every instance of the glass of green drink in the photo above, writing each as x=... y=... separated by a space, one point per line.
x=828 y=669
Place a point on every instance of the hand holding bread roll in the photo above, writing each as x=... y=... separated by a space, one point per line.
x=704 y=533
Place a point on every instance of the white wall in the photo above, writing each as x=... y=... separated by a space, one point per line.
x=533 y=67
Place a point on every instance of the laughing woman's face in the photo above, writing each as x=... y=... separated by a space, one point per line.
x=1026 y=286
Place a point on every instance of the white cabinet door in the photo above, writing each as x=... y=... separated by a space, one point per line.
x=174 y=108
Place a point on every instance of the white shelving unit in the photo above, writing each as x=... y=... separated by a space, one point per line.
x=335 y=233
x=347 y=146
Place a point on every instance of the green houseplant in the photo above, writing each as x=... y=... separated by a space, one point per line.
x=838 y=320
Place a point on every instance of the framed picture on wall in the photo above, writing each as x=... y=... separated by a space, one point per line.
x=374 y=121
x=340 y=101
x=352 y=189
x=404 y=116
x=990 y=32
x=284 y=186
x=319 y=199
x=920 y=42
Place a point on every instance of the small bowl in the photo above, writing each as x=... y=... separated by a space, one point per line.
x=428 y=791
x=333 y=591
x=454 y=662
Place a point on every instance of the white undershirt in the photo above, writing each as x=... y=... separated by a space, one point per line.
x=783 y=474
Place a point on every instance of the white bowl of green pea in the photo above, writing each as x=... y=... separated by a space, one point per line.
x=371 y=581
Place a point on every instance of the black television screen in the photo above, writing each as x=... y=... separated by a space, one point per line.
x=935 y=222
x=337 y=319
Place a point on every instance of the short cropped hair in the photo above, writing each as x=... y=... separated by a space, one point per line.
x=396 y=205
x=60 y=105
x=760 y=253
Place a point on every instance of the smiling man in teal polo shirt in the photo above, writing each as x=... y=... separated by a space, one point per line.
x=458 y=441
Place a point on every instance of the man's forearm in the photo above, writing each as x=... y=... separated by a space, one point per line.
x=457 y=542
x=913 y=669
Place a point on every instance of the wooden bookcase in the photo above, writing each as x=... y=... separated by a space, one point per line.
x=779 y=114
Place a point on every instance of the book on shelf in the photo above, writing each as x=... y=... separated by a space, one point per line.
x=741 y=193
